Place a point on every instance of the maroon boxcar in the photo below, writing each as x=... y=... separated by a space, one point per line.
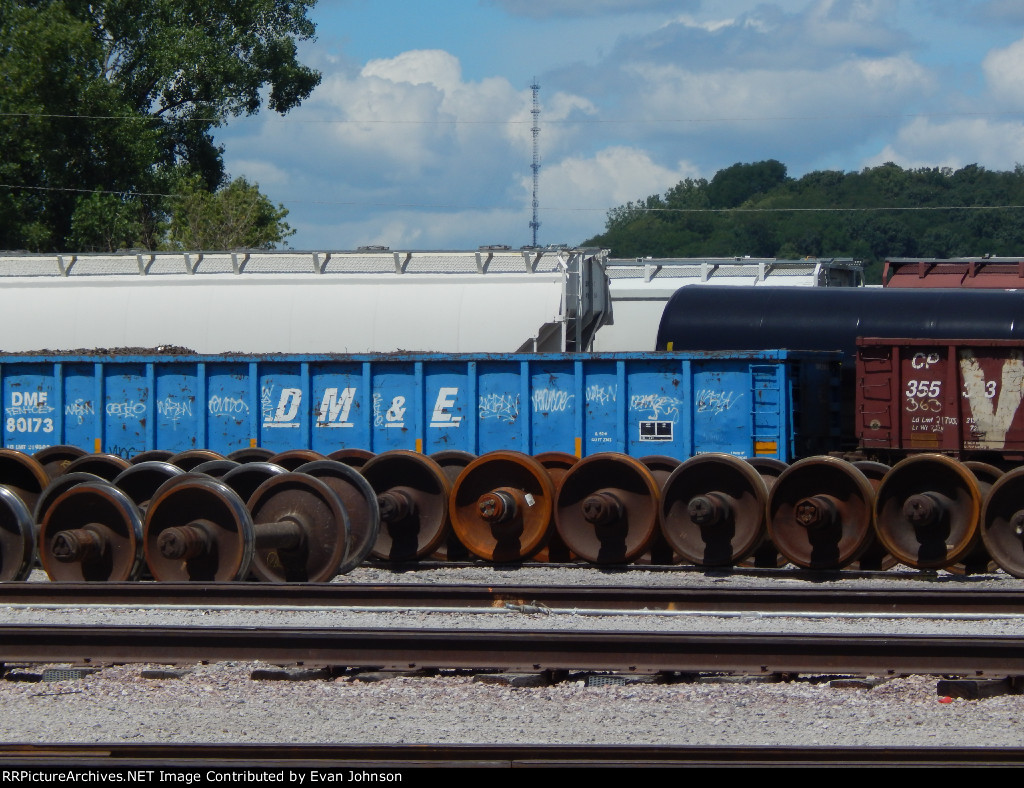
x=993 y=273
x=958 y=397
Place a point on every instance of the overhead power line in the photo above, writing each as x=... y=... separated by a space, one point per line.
x=631 y=120
x=627 y=208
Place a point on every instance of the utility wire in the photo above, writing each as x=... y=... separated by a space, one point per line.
x=511 y=122
x=627 y=209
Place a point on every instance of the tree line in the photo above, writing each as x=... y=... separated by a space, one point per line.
x=107 y=114
x=887 y=211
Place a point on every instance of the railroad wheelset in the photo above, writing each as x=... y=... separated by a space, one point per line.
x=452 y=462
x=294 y=529
x=1002 y=522
x=106 y=466
x=769 y=469
x=557 y=464
x=606 y=508
x=23 y=475
x=92 y=531
x=875 y=556
x=500 y=506
x=359 y=500
x=17 y=537
x=713 y=510
x=661 y=467
x=927 y=510
x=55 y=459
x=412 y=494
x=819 y=513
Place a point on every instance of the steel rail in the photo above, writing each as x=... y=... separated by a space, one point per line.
x=518 y=650
x=381 y=757
x=814 y=599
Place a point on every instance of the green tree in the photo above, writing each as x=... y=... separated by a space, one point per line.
x=237 y=216
x=123 y=96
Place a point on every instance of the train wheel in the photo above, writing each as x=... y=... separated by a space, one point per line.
x=557 y=464
x=927 y=510
x=140 y=482
x=91 y=532
x=58 y=487
x=251 y=454
x=661 y=467
x=767 y=556
x=248 y=476
x=713 y=510
x=452 y=462
x=190 y=458
x=106 y=466
x=355 y=458
x=606 y=508
x=978 y=561
x=153 y=455
x=412 y=493
x=290 y=460
x=301 y=530
x=17 y=537
x=500 y=506
x=1002 y=522
x=216 y=468
x=819 y=513
x=23 y=475
x=876 y=557
x=198 y=528
x=360 y=502
x=55 y=459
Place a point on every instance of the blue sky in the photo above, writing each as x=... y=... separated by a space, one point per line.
x=419 y=134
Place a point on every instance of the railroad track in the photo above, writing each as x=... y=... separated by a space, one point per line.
x=519 y=650
x=931 y=600
x=379 y=757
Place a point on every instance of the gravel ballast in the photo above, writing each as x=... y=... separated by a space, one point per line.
x=222 y=702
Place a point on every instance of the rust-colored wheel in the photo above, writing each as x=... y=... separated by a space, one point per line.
x=301 y=529
x=91 y=532
x=452 y=462
x=927 y=511
x=293 y=458
x=197 y=528
x=106 y=466
x=17 y=537
x=248 y=476
x=767 y=556
x=1002 y=522
x=978 y=561
x=55 y=459
x=153 y=455
x=190 y=458
x=875 y=557
x=360 y=502
x=713 y=509
x=557 y=464
x=606 y=508
x=412 y=493
x=501 y=506
x=819 y=513
x=355 y=458
x=251 y=454
x=23 y=475
x=768 y=468
x=661 y=467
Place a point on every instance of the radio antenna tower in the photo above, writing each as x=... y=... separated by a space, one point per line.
x=535 y=166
